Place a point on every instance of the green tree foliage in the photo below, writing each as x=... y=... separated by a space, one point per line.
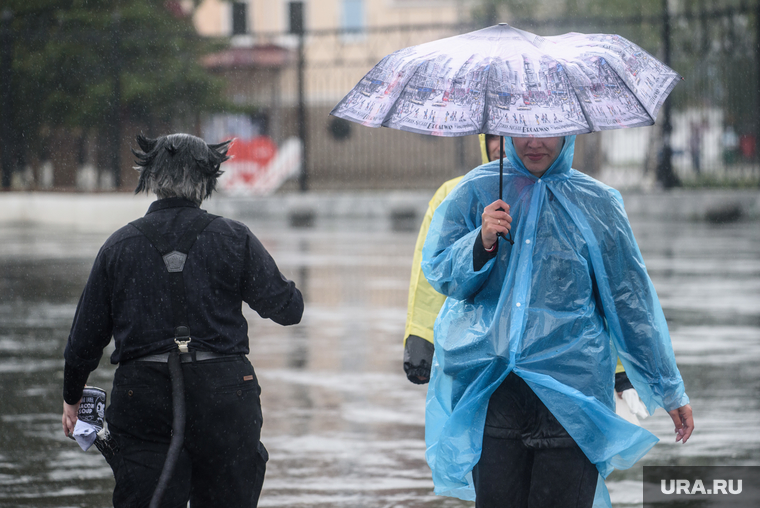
x=67 y=55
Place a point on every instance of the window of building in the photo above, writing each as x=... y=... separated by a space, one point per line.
x=352 y=20
x=239 y=18
x=295 y=17
x=353 y=15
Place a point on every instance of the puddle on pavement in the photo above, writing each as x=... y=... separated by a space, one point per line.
x=343 y=426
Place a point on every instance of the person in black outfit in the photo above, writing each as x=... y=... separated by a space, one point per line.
x=131 y=296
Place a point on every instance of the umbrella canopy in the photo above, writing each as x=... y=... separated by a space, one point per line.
x=508 y=82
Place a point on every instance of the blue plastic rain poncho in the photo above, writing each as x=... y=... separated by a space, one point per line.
x=556 y=308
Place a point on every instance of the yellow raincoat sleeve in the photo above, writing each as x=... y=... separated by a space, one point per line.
x=424 y=301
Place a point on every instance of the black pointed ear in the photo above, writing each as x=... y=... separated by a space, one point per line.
x=146 y=144
x=221 y=148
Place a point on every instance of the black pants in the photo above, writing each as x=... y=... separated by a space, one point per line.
x=528 y=459
x=222 y=462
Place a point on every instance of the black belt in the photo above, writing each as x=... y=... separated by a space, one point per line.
x=198 y=356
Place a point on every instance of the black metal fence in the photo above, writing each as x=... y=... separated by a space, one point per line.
x=707 y=134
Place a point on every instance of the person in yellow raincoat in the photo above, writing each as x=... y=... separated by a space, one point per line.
x=425 y=303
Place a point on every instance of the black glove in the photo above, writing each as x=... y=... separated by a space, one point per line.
x=622 y=383
x=418 y=358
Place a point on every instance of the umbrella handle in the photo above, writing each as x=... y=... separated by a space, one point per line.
x=501 y=235
x=501 y=165
x=501 y=186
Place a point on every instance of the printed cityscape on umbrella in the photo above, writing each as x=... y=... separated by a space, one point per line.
x=505 y=81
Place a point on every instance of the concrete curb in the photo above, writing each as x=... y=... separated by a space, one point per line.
x=399 y=209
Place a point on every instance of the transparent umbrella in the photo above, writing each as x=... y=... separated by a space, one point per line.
x=508 y=82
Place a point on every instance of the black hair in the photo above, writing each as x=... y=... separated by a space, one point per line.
x=179 y=165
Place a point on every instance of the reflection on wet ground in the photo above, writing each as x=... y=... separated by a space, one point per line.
x=343 y=425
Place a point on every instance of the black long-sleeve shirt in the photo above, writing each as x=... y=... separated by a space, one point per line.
x=127 y=298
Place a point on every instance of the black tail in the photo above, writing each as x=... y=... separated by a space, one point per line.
x=178 y=427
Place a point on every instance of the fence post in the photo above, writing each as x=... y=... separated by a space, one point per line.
x=115 y=113
x=303 y=179
x=757 y=80
x=665 y=174
x=461 y=162
x=6 y=96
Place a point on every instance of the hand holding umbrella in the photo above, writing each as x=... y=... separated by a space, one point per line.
x=496 y=222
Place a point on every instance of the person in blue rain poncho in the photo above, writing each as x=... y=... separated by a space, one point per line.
x=520 y=406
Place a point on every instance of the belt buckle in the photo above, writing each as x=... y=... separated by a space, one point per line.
x=182 y=338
